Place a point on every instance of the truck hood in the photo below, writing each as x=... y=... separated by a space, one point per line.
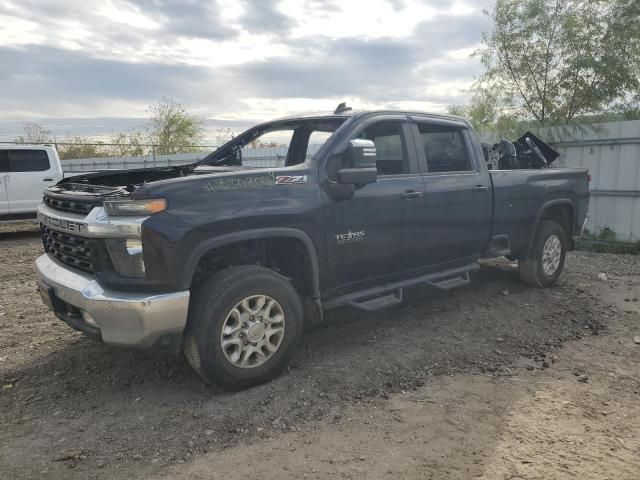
x=129 y=180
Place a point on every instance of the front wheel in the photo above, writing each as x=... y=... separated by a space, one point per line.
x=545 y=264
x=243 y=327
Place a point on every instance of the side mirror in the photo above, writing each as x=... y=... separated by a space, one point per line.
x=361 y=155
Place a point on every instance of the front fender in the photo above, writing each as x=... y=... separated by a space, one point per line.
x=253 y=234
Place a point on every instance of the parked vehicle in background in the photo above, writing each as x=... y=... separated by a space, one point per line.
x=25 y=171
x=227 y=262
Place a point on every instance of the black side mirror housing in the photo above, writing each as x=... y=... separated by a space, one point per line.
x=361 y=155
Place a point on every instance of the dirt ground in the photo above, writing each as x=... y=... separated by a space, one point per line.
x=494 y=380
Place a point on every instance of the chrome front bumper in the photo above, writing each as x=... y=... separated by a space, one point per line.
x=129 y=319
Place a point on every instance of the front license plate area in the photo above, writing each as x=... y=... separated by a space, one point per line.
x=49 y=298
x=46 y=293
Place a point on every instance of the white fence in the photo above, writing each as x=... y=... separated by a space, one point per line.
x=252 y=157
x=612 y=155
x=126 y=163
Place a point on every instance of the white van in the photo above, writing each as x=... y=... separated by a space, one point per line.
x=25 y=171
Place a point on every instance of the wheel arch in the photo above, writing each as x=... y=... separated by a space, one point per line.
x=266 y=234
x=560 y=210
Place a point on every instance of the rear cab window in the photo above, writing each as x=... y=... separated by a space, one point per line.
x=444 y=147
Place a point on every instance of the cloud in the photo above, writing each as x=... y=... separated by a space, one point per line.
x=398 y=4
x=232 y=59
x=447 y=32
x=264 y=16
x=380 y=69
x=187 y=18
x=332 y=68
x=52 y=80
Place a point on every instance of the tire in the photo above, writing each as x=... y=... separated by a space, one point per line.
x=226 y=301
x=539 y=270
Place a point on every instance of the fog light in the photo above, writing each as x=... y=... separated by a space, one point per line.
x=126 y=255
x=134 y=246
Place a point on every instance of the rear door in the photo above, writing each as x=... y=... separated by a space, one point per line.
x=455 y=211
x=4 y=182
x=30 y=172
x=372 y=234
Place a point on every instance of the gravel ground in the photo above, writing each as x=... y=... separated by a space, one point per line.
x=74 y=408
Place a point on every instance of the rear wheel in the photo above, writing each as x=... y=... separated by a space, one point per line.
x=243 y=326
x=545 y=264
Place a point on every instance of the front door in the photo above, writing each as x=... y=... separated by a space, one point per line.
x=30 y=173
x=372 y=234
x=455 y=210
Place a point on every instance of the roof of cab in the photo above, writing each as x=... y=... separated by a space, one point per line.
x=346 y=112
x=25 y=146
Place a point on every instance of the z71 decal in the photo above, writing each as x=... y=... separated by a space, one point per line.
x=290 y=179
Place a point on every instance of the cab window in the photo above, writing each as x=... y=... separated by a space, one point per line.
x=268 y=150
x=445 y=148
x=391 y=151
x=4 y=161
x=316 y=140
x=28 y=160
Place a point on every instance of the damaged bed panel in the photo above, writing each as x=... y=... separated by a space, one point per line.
x=527 y=152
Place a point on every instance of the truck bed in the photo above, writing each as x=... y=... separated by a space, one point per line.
x=519 y=194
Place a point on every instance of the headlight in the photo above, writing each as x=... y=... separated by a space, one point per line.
x=126 y=255
x=135 y=207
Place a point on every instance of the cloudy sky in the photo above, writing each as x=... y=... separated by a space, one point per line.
x=233 y=60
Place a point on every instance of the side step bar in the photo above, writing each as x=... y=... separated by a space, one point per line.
x=391 y=294
x=453 y=282
x=376 y=303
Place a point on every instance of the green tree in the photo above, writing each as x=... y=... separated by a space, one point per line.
x=223 y=135
x=172 y=129
x=127 y=145
x=79 y=147
x=554 y=61
x=34 y=133
x=482 y=111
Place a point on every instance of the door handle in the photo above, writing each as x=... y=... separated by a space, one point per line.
x=411 y=194
x=480 y=188
x=47 y=179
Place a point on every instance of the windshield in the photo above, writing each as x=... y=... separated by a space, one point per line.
x=277 y=144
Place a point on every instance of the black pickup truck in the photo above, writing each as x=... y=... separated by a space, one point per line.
x=227 y=260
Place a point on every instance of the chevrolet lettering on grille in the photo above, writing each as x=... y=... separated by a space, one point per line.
x=61 y=224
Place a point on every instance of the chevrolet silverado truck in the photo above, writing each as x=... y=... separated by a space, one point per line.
x=228 y=259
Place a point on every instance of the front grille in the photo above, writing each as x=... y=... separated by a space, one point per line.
x=72 y=206
x=73 y=250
